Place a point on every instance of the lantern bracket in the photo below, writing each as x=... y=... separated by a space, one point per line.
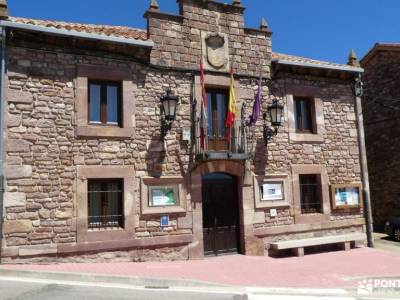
x=268 y=132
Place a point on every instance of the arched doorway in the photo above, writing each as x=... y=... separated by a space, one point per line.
x=221 y=230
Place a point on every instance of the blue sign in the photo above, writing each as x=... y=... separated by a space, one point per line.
x=164 y=221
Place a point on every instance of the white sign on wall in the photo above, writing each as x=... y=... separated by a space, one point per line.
x=186 y=136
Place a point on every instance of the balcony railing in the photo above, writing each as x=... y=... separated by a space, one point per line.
x=241 y=146
x=108 y=221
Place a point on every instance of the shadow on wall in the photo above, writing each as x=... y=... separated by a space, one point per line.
x=260 y=158
x=155 y=156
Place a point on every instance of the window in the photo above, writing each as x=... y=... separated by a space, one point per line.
x=303 y=114
x=310 y=194
x=217 y=101
x=161 y=196
x=105 y=208
x=105 y=103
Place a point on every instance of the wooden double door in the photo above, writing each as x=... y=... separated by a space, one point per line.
x=220 y=214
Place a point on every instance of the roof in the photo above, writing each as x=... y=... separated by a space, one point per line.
x=124 y=34
x=379 y=47
x=311 y=63
x=106 y=30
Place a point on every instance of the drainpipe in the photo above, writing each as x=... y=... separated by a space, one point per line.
x=358 y=89
x=2 y=104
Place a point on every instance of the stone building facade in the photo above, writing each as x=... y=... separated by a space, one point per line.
x=381 y=115
x=57 y=161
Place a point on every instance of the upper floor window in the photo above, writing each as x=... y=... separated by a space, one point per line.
x=217 y=111
x=303 y=112
x=105 y=103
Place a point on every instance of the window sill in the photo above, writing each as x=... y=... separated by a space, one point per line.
x=99 y=131
x=113 y=229
x=107 y=235
x=273 y=204
x=306 y=137
x=311 y=218
x=163 y=210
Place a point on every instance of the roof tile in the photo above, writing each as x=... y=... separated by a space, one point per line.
x=108 y=30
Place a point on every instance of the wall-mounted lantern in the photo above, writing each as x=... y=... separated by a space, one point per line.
x=169 y=103
x=275 y=113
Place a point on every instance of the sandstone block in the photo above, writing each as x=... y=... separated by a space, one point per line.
x=20 y=97
x=37 y=250
x=64 y=214
x=15 y=145
x=17 y=226
x=18 y=172
x=14 y=199
x=13 y=120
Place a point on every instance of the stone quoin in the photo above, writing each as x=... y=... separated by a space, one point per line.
x=89 y=174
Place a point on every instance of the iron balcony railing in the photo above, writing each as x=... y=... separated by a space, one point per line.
x=216 y=146
x=108 y=221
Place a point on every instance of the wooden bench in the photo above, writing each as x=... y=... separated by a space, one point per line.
x=344 y=240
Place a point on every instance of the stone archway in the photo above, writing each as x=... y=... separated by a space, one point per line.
x=245 y=199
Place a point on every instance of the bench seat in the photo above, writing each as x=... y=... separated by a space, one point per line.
x=298 y=245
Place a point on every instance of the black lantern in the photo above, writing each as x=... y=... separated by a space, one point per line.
x=359 y=87
x=169 y=103
x=276 y=113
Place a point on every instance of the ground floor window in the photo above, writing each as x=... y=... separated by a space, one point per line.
x=310 y=194
x=105 y=203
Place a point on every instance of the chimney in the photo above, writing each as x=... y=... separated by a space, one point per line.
x=154 y=5
x=264 y=25
x=237 y=3
x=353 y=60
x=3 y=10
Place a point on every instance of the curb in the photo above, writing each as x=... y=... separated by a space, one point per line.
x=151 y=283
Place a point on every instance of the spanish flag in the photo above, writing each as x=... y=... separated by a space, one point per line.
x=230 y=118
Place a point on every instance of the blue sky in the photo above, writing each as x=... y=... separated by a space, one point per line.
x=321 y=29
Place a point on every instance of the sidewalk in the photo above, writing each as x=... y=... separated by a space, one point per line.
x=326 y=270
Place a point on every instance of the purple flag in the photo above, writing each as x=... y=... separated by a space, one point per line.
x=257 y=104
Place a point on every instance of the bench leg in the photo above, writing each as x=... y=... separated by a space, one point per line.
x=298 y=251
x=346 y=246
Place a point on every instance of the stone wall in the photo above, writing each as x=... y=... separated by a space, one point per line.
x=43 y=151
x=382 y=133
x=178 y=39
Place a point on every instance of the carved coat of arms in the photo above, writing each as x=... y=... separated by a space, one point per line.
x=216 y=50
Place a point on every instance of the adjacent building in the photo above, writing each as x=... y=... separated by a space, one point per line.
x=381 y=115
x=96 y=168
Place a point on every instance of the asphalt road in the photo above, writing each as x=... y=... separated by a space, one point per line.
x=21 y=290
x=383 y=242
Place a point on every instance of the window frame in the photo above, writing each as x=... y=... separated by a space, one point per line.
x=178 y=183
x=85 y=129
x=84 y=233
x=318 y=125
x=284 y=179
x=104 y=84
x=358 y=206
x=103 y=182
x=323 y=178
